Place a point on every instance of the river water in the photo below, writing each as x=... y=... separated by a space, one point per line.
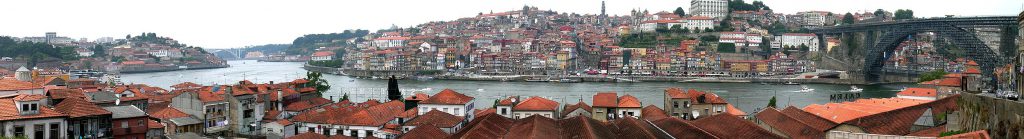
x=746 y=96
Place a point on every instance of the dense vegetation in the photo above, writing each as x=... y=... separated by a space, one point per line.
x=308 y=43
x=337 y=63
x=740 y=5
x=903 y=14
x=34 y=52
x=931 y=75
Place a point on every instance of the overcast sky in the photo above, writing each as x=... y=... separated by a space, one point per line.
x=225 y=24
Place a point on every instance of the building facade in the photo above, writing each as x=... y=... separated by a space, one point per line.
x=711 y=8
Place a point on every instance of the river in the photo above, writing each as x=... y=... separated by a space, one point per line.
x=746 y=96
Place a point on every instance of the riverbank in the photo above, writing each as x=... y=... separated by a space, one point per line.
x=170 y=68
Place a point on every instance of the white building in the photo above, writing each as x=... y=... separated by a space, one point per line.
x=536 y=106
x=794 y=40
x=322 y=56
x=817 y=18
x=699 y=23
x=25 y=115
x=717 y=9
x=450 y=102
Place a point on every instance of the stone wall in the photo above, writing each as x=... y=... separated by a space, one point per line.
x=1002 y=118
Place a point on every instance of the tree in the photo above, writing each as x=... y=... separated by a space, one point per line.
x=931 y=75
x=98 y=51
x=686 y=30
x=847 y=19
x=727 y=48
x=804 y=48
x=772 y=104
x=344 y=97
x=879 y=13
x=316 y=81
x=903 y=14
x=676 y=28
x=708 y=30
x=679 y=11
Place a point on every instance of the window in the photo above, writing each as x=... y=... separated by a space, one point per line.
x=54 y=130
x=675 y=104
x=444 y=109
x=124 y=124
x=19 y=131
x=503 y=111
x=142 y=123
x=24 y=107
x=457 y=112
x=248 y=113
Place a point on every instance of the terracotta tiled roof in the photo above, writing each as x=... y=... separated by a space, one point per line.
x=508 y=101
x=65 y=93
x=629 y=127
x=953 y=82
x=921 y=92
x=980 y=134
x=534 y=127
x=11 y=84
x=579 y=105
x=152 y=124
x=581 y=127
x=299 y=81
x=424 y=132
x=734 y=111
x=729 y=126
x=410 y=113
x=929 y=132
x=606 y=99
x=628 y=101
x=787 y=125
x=283 y=122
x=8 y=111
x=652 y=113
x=323 y=53
x=418 y=96
x=271 y=115
x=489 y=126
x=536 y=104
x=972 y=71
x=353 y=116
x=435 y=118
x=308 y=135
x=186 y=85
x=448 y=97
x=676 y=93
x=682 y=129
x=78 y=107
x=307 y=104
x=206 y=95
x=26 y=97
x=168 y=113
x=481 y=113
x=818 y=123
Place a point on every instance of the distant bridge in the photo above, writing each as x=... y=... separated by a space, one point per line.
x=959 y=30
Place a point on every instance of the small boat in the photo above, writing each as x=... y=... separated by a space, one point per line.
x=568 y=81
x=791 y=83
x=855 y=89
x=424 y=78
x=805 y=89
x=535 y=80
x=480 y=90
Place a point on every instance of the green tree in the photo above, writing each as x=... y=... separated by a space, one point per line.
x=344 y=97
x=804 y=48
x=931 y=75
x=903 y=14
x=685 y=30
x=727 y=48
x=676 y=28
x=708 y=30
x=772 y=104
x=879 y=13
x=679 y=11
x=99 y=51
x=848 y=19
x=316 y=81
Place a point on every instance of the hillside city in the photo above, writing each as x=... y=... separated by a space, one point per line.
x=58 y=87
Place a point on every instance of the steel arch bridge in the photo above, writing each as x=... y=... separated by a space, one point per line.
x=958 y=30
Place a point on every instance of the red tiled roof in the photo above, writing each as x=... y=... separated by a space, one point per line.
x=606 y=99
x=681 y=129
x=536 y=104
x=929 y=132
x=921 y=92
x=582 y=127
x=980 y=134
x=489 y=126
x=435 y=118
x=283 y=122
x=206 y=95
x=533 y=127
x=448 y=97
x=729 y=126
x=628 y=101
x=78 y=107
x=818 y=123
x=424 y=132
x=972 y=71
x=652 y=113
x=323 y=53
x=410 y=113
x=953 y=82
x=507 y=101
x=308 y=135
x=418 y=96
x=307 y=104
x=65 y=93
x=271 y=115
x=629 y=127
x=734 y=111
x=787 y=125
x=11 y=85
x=186 y=85
x=676 y=93
x=152 y=124
x=27 y=97
x=579 y=105
x=8 y=111
x=168 y=113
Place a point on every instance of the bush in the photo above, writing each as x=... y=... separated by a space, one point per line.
x=931 y=75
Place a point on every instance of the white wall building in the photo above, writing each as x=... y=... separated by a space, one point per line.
x=711 y=8
x=794 y=40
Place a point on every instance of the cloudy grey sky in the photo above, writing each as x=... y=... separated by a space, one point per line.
x=225 y=24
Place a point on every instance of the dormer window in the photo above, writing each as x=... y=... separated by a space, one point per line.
x=28 y=108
